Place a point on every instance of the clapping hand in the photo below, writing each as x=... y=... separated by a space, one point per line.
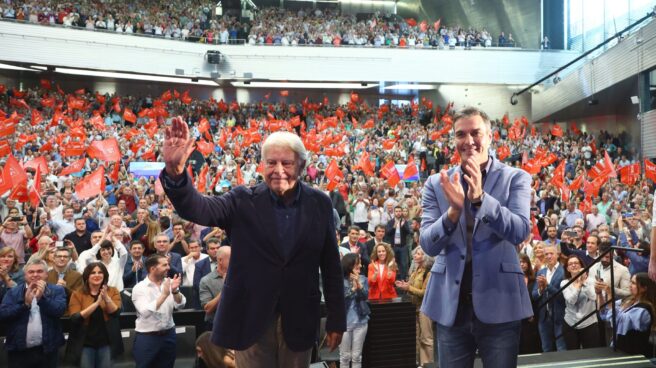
x=175 y=282
x=453 y=190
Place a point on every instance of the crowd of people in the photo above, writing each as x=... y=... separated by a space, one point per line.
x=96 y=239
x=196 y=21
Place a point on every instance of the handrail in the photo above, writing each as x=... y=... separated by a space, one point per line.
x=513 y=97
x=612 y=285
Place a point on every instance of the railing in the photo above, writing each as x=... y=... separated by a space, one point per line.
x=240 y=41
x=612 y=285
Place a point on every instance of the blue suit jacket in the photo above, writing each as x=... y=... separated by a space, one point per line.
x=176 y=264
x=129 y=276
x=557 y=305
x=15 y=315
x=261 y=281
x=502 y=221
x=203 y=267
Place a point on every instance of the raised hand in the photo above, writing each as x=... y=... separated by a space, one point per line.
x=474 y=179
x=175 y=282
x=453 y=190
x=178 y=146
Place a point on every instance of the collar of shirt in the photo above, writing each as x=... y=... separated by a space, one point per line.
x=277 y=200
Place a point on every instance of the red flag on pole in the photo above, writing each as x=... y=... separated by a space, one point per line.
x=37 y=163
x=390 y=173
x=16 y=172
x=630 y=173
x=92 y=185
x=129 y=116
x=558 y=178
x=650 y=170
x=610 y=168
x=33 y=193
x=557 y=131
x=577 y=183
x=365 y=164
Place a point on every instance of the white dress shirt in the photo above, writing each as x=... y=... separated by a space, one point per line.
x=149 y=318
x=189 y=267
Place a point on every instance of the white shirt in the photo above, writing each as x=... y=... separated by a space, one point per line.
x=579 y=303
x=189 y=267
x=115 y=266
x=550 y=272
x=361 y=210
x=62 y=227
x=149 y=318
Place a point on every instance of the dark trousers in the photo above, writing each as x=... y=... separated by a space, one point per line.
x=587 y=337
x=402 y=257
x=156 y=351
x=32 y=358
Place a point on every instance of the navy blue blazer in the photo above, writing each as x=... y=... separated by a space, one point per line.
x=557 y=305
x=261 y=282
x=175 y=264
x=129 y=276
x=15 y=315
x=364 y=255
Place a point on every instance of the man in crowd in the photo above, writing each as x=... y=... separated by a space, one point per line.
x=207 y=264
x=31 y=313
x=571 y=214
x=139 y=226
x=81 y=238
x=474 y=215
x=135 y=269
x=64 y=226
x=14 y=233
x=189 y=263
x=285 y=234
x=155 y=298
x=552 y=236
x=551 y=316
x=61 y=273
x=162 y=247
x=379 y=235
x=212 y=284
x=601 y=272
x=180 y=242
x=355 y=246
x=589 y=254
x=396 y=234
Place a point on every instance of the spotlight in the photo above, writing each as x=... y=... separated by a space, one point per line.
x=593 y=102
x=556 y=79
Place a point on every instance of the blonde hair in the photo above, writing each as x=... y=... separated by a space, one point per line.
x=389 y=257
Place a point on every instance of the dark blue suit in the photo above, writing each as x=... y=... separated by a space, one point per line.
x=261 y=282
x=552 y=316
x=203 y=267
x=176 y=264
x=15 y=315
x=131 y=278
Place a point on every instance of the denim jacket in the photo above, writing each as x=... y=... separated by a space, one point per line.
x=352 y=298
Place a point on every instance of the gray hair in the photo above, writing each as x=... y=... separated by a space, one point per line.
x=36 y=262
x=427 y=261
x=473 y=111
x=287 y=140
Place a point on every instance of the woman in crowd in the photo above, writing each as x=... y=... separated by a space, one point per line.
x=382 y=273
x=580 y=301
x=211 y=355
x=45 y=230
x=529 y=342
x=375 y=215
x=416 y=287
x=149 y=237
x=635 y=315
x=357 y=312
x=96 y=334
x=538 y=260
x=112 y=254
x=10 y=274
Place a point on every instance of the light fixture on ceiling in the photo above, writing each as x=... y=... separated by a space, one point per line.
x=556 y=80
x=305 y=85
x=416 y=87
x=14 y=67
x=140 y=77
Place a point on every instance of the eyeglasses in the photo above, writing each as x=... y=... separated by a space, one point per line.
x=573 y=264
x=62 y=256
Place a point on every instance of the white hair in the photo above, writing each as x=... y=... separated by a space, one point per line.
x=287 y=140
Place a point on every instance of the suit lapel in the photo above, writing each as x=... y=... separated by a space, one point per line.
x=264 y=210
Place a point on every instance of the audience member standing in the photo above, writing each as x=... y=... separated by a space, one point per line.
x=155 y=298
x=211 y=285
x=31 y=313
x=96 y=334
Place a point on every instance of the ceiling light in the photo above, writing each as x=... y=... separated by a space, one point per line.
x=14 y=67
x=140 y=77
x=419 y=87
x=306 y=85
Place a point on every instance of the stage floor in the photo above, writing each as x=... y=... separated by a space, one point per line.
x=593 y=358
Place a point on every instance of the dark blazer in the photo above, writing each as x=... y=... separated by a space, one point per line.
x=175 y=264
x=203 y=267
x=390 y=230
x=261 y=282
x=546 y=204
x=15 y=315
x=557 y=305
x=129 y=276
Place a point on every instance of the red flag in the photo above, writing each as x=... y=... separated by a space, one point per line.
x=436 y=25
x=5 y=181
x=650 y=170
x=411 y=22
x=19 y=193
x=239 y=176
x=390 y=173
x=45 y=84
x=166 y=96
x=610 y=168
x=577 y=183
x=455 y=159
x=92 y=184
x=36 y=164
x=557 y=131
x=423 y=26
x=74 y=167
x=106 y=150
x=185 y=98
x=388 y=144
x=630 y=174
x=33 y=193
x=503 y=152
x=36 y=117
x=205 y=147
x=201 y=183
x=410 y=169
x=16 y=172
x=7 y=127
x=531 y=167
x=365 y=164
x=284 y=93
x=4 y=148
x=129 y=116
x=558 y=178
x=369 y=124
x=114 y=174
